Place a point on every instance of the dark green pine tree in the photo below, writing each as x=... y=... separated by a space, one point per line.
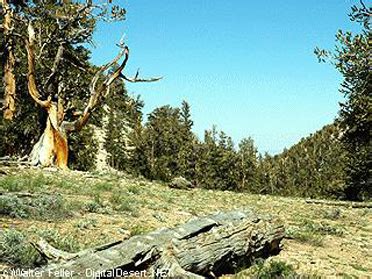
x=206 y=172
x=187 y=155
x=124 y=115
x=161 y=143
x=352 y=58
x=216 y=165
x=247 y=164
x=227 y=164
x=264 y=175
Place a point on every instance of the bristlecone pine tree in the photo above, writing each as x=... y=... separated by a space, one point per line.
x=62 y=26
x=352 y=58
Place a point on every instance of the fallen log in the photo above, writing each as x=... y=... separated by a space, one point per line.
x=14 y=160
x=204 y=247
x=341 y=203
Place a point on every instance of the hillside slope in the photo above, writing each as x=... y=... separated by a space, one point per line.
x=75 y=210
x=313 y=167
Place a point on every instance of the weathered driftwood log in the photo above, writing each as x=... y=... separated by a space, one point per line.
x=341 y=203
x=203 y=247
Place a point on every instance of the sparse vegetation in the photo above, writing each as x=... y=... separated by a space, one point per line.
x=274 y=269
x=25 y=182
x=13 y=207
x=122 y=202
x=103 y=186
x=50 y=207
x=313 y=233
x=40 y=207
x=337 y=236
x=65 y=242
x=92 y=206
x=133 y=189
x=88 y=223
x=15 y=249
x=332 y=213
x=138 y=229
x=305 y=235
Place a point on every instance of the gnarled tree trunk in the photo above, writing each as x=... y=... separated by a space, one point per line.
x=52 y=147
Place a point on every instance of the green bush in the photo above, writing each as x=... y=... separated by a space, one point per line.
x=303 y=234
x=66 y=243
x=313 y=233
x=42 y=207
x=50 y=207
x=134 y=189
x=13 y=206
x=16 y=251
x=121 y=202
x=332 y=214
x=97 y=205
x=92 y=207
x=125 y=205
x=103 y=186
x=138 y=230
x=322 y=228
x=275 y=269
x=24 y=182
x=86 y=224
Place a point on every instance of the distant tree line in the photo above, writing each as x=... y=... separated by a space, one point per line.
x=166 y=147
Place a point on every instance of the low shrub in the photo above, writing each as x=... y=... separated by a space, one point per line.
x=24 y=182
x=50 y=207
x=274 y=269
x=86 y=224
x=313 y=233
x=15 y=250
x=13 y=206
x=41 y=207
x=121 y=202
x=63 y=242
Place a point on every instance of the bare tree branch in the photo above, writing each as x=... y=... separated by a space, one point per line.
x=32 y=87
x=136 y=79
x=98 y=95
x=57 y=60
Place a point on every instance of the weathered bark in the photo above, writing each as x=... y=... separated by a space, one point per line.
x=202 y=248
x=9 y=61
x=52 y=147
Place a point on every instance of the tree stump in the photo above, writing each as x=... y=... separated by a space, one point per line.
x=204 y=247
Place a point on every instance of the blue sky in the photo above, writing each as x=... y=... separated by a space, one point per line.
x=246 y=66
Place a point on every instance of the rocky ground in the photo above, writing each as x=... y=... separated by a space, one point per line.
x=75 y=210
